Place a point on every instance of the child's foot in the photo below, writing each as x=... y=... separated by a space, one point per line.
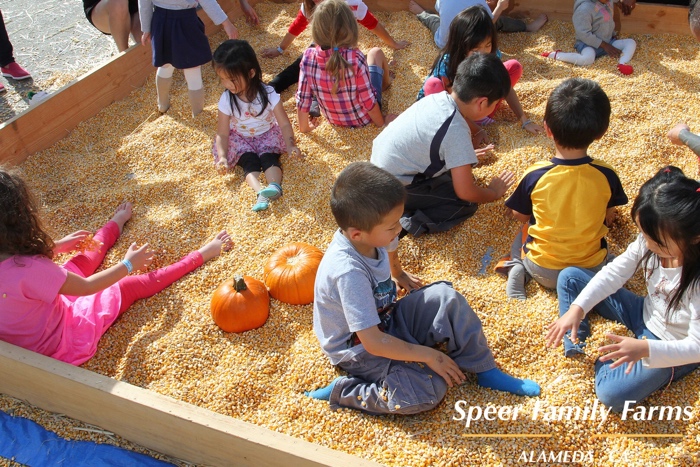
x=415 y=8
x=222 y=242
x=261 y=204
x=625 y=69
x=537 y=24
x=122 y=214
x=552 y=55
x=272 y=192
x=515 y=287
x=324 y=393
x=496 y=379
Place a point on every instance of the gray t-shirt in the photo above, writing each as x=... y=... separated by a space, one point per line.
x=428 y=139
x=350 y=289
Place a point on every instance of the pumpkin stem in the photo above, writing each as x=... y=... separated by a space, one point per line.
x=239 y=283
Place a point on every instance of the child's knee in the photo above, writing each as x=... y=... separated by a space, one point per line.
x=411 y=392
x=433 y=85
x=375 y=56
x=515 y=71
x=269 y=160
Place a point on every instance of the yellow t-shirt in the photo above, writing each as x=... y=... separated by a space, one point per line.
x=567 y=201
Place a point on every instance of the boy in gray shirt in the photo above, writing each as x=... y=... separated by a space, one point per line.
x=385 y=346
x=428 y=148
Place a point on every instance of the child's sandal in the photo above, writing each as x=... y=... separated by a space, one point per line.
x=272 y=192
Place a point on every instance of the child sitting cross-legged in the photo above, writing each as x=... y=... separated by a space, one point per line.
x=387 y=346
x=568 y=202
x=595 y=36
x=428 y=148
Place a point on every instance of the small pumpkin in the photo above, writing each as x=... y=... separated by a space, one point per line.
x=240 y=304
x=290 y=273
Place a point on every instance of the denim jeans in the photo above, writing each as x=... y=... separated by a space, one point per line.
x=613 y=386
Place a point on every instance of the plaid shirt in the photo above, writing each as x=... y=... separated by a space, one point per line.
x=350 y=106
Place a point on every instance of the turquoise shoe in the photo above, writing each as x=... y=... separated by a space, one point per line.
x=271 y=192
x=261 y=204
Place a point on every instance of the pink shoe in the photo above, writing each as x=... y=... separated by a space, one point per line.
x=14 y=71
x=2 y=88
x=625 y=69
x=547 y=54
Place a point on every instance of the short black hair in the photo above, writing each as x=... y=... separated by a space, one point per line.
x=481 y=75
x=577 y=113
x=363 y=194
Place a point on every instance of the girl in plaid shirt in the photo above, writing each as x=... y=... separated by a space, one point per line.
x=347 y=85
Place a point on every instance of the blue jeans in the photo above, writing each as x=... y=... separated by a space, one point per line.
x=599 y=52
x=376 y=77
x=612 y=386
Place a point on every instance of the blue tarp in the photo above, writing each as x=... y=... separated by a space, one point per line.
x=28 y=443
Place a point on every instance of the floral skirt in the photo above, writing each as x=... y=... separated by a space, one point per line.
x=271 y=141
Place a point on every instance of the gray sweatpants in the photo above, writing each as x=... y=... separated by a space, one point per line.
x=432 y=315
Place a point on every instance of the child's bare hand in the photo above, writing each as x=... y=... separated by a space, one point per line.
x=71 y=241
x=140 y=258
x=270 y=52
x=408 y=281
x=295 y=153
x=249 y=12
x=221 y=167
x=534 y=128
x=230 y=29
x=146 y=38
x=614 y=52
x=501 y=183
x=674 y=133
x=626 y=350
x=445 y=367
x=480 y=138
x=569 y=321
x=484 y=151
x=389 y=118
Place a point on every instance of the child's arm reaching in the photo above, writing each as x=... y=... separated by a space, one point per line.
x=466 y=188
x=384 y=345
x=221 y=140
x=138 y=258
x=249 y=12
x=527 y=124
x=501 y=6
x=219 y=17
x=287 y=130
x=306 y=125
x=381 y=32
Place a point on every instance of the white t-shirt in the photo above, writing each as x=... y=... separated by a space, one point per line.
x=679 y=333
x=251 y=120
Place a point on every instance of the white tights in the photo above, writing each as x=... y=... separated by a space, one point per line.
x=193 y=76
x=587 y=55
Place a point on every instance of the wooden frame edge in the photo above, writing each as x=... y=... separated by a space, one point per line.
x=152 y=420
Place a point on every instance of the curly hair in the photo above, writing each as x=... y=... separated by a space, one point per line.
x=21 y=232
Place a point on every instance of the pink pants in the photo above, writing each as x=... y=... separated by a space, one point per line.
x=135 y=287
x=513 y=67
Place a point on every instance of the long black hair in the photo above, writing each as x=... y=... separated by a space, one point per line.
x=235 y=58
x=468 y=29
x=668 y=208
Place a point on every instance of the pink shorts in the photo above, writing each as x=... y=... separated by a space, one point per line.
x=271 y=141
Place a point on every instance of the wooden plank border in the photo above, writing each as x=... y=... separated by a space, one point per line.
x=152 y=420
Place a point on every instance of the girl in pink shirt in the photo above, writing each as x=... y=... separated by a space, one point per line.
x=62 y=311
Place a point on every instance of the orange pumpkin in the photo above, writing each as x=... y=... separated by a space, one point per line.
x=240 y=304
x=291 y=271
